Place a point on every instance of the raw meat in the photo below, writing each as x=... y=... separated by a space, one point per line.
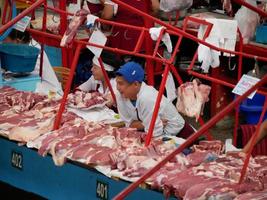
x=71 y=31
x=191 y=97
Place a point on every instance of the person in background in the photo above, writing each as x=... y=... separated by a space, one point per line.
x=18 y=37
x=100 y=7
x=136 y=101
x=124 y=38
x=261 y=136
x=97 y=81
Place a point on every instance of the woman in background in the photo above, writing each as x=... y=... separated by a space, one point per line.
x=97 y=81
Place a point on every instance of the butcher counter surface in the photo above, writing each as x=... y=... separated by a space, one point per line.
x=23 y=168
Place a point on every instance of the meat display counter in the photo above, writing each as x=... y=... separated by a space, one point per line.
x=23 y=168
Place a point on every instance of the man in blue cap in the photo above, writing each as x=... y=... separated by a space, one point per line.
x=136 y=101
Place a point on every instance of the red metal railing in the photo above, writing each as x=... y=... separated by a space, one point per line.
x=169 y=66
x=251 y=7
x=192 y=138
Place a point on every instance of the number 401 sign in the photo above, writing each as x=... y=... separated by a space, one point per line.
x=101 y=190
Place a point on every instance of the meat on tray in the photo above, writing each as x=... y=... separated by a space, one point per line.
x=86 y=100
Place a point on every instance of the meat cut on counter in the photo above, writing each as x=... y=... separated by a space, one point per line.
x=86 y=100
x=206 y=173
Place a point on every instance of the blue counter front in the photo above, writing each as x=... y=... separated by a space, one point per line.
x=24 y=168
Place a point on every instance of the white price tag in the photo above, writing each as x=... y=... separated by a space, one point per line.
x=22 y=24
x=99 y=38
x=244 y=84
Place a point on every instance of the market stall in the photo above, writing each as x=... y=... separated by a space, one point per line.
x=97 y=160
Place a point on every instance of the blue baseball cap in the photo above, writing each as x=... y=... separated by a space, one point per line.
x=131 y=72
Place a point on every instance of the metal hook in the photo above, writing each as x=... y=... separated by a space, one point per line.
x=229 y=64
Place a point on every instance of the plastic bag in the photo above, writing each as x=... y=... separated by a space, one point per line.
x=172 y=5
x=247 y=21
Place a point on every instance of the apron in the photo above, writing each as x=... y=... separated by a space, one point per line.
x=95 y=9
x=186 y=132
x=121 y=37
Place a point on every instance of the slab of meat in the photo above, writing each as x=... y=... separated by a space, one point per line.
x=31 y=128
x=191 y=97
x=255 y=195
x=77 y=131
x=68 y=140
x=92 y=154
x=71 y=31
x=198 y=157
x=170 y=169
x=15 y=101
x=201 y=190
x=215 y=146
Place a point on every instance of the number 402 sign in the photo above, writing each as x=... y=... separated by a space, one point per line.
x=16 y=160
x=101 y=190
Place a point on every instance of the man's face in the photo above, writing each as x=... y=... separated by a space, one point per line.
x=127 y=90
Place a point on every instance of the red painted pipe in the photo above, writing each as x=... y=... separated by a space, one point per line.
x=181 y=32
x=239 y=74
x=107 y=80
x=215 y=80
x=139 y=42
x=48 y=35
x=206 y=34
x=20 y=16
x=173 y=30
x=4 y=14
x=67 y=88
x=251 y=7
x=42 y=45
x=192 y=138
x=158 y=42
x=157 y=105
x=120 y=51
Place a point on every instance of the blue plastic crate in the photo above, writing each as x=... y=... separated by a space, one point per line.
x=252 y=109
x=18 y=57
x=54 y=55
x=261 y=34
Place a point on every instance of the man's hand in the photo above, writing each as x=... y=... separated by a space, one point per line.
x=164 y=122
x=138 y=125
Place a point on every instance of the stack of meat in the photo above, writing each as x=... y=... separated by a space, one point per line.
x=24 y=115
x=204 y=174
x=86 y=100
x=14 y=101
x=212 y=176
x=99 y=144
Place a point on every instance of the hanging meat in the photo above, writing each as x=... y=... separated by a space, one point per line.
x=191 y=97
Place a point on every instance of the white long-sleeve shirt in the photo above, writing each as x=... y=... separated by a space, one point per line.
x=94 y=85
x=144 y=108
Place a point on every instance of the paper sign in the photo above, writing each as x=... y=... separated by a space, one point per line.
x=22 y=24
x=244 y=84
x=99 y=38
